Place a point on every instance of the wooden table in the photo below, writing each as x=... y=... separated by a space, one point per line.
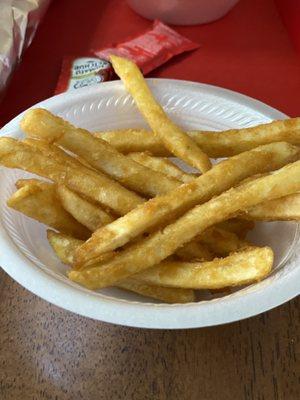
x=47 y=353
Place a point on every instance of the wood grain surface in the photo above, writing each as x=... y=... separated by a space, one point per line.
x=48 y=353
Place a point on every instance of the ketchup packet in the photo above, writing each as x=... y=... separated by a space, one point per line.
x=149 y=50
x=78 y=72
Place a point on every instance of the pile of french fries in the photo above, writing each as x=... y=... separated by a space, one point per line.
x=122 y=214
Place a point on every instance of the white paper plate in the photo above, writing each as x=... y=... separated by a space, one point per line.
x=26 y=256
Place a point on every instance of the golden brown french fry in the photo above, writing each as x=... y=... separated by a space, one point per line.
x=221 y=242
x=238 y=226
x=244 y=267
x=161 y=244
x=94 y=185
x=241 y=268
x=194 y=251
x=163 y=165
x=93 y=217
x=64 y=247
x=29 y=181
x=134 y=140
x=214 y=144
x=54 y=151
x=284 y=209
x=156 y=211
x=174 y=138
x=165 y=294
x=41 y=124
x=88 y=214
x=38 y=200
x=64 y=158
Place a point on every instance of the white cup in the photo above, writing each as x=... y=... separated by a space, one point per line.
x=182 y=12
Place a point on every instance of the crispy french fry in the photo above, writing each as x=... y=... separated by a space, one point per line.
x=218 y=240
x=284 y=209
x=64 y=247
x=31 y=181
x=238 y=226
x=174 y=138
x=153 y=213
x=214 y=144
x=161 y=244
x=54 y=151
x=38 y=200
x=163 y=165
x=98 y=187
x=64 y=158
x=194 y=251
x=41 y=124
x=134 y=140
x=245 y=267
x=165 y=294
x=221 y=242
x=87 y=213
x=90 y=215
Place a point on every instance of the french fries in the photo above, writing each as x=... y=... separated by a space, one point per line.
x=247 y=266
x=284 y=209
x=238 y=226
x=39 y=201
x=162 y=165
x=134 y=141
x=91 y=216
x=214 y=144
x=41 y=124
x=154 y=212
x=194 y=251
x=55 y=152
x=165 y=247
x=221 y=242
x=165 y=294
x=161 y=244
x=174 y=139
x=94 y=185
x=64 y=247
x=32 y=181
x=88 y=214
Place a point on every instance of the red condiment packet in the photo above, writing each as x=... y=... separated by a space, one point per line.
x=151 y=49
x=78 y=72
